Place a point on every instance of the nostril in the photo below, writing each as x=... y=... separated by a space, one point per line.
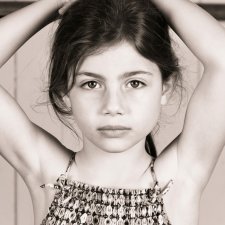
x=113 y=103
x=113 y=109
x=112 y=112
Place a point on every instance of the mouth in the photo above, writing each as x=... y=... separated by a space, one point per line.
x=113 y=131
x=113 y=128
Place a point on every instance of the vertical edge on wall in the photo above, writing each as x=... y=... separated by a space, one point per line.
x=15 y=91
x=15 y=198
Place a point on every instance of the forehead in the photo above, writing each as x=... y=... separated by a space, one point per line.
x=116 y=60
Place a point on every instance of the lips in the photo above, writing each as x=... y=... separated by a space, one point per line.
x=117 y=127
x=117 y=131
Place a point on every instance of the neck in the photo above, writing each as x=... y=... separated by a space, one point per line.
x=120 y=169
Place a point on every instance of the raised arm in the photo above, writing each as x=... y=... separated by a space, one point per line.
x=16 y=28
x=203 y=135
x=19 y=137
x=200 y=31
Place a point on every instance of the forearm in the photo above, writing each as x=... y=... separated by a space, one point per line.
x=200 y=31
x=16 y=28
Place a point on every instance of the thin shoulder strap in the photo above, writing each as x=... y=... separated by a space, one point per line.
x=167 y=187
x=62 y=176
x=70 y=164
x=153 y=171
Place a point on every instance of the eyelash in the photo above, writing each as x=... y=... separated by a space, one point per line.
x=140 y=82
x=86 y=84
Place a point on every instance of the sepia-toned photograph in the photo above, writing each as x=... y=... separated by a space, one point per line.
x=112 y=112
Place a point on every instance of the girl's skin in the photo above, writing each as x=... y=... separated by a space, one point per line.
x=111 y=97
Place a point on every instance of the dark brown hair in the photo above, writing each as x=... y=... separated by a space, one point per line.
x=90 y=25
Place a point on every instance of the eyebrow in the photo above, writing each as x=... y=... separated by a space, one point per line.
x=124 y=75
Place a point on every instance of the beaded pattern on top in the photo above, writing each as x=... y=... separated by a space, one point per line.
x=77 y=203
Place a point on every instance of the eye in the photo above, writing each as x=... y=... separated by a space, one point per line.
x=136 y=84
x=91 y=85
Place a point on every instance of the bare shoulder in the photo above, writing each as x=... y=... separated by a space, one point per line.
x=31 y=150
x=53 y=158
x=182 y=193
x=166 y=163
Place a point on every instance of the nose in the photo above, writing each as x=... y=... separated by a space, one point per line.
x=113 y=102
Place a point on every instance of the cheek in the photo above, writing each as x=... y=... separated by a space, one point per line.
x=84 y=111
x=151 y=109
x=148 y=107
x=79 y=108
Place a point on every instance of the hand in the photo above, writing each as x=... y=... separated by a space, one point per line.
x=66 y=5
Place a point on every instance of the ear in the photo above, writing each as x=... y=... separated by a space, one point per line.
x=66 y=99
x=163 y=100
x=166 y=92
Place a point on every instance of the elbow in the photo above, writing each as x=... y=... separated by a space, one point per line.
x=215 y=70
x=217 y=64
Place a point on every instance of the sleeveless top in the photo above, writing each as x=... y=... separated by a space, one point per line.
x=78 y=203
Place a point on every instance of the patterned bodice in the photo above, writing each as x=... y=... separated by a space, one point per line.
x=77 y=203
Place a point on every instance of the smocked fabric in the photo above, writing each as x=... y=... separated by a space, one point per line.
x=77 y=203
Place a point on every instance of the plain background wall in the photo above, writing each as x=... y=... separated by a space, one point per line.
x=24 y=76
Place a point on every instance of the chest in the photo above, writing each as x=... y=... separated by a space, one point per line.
x=79 y=203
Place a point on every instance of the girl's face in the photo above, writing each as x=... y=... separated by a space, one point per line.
x=116 y=98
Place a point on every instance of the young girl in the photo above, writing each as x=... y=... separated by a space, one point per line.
x=112 y=67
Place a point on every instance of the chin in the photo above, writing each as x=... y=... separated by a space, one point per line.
x=116 y=146
x=113 y=150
